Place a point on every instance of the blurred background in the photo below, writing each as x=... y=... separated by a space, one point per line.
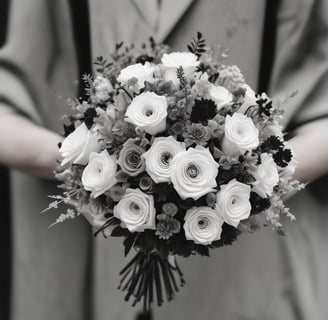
x=4 y=202
x=268 y=45
x=5 y=241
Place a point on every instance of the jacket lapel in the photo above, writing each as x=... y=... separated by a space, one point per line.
x=132 y=21
x=149 y=11
x=170 y=13
x=167 y=16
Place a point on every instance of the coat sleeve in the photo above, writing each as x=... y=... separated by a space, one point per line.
x=38 y=68
x=301 y=61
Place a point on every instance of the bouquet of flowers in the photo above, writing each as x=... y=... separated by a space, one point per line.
x=177 y=155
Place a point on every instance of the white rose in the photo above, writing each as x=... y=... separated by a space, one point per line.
x=78 y=145
x=240 y=135
x=193 y=173
x=136 y=211
x=171 y=62
x=148 y=111
x=159 y=158
x=266 y=176
x=100 y=173
x=203 y=225
x=233 y=201
x=220 y=95
x=102 y=88
x=142 y=72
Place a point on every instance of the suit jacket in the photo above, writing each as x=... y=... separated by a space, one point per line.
x=261 y=276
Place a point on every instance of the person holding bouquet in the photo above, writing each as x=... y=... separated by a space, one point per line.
x=62 y=273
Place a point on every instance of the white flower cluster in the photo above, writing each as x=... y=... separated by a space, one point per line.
x=152 y=153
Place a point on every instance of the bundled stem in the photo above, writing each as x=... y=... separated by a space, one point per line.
x=146 y=275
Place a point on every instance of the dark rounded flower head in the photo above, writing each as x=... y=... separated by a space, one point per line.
x=144 y=58
x=258 y=203
x=89 y=115
x=197 y=133
x=272 y=143
x=283 y=157
x=167 y=226
x=145 y=183
x=170 y=209
x=203 y=110
x=176 y=128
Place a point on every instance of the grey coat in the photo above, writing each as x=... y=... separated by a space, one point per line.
x=61 y=273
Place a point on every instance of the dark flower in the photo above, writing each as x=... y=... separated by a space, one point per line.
x=258 y=203
x=165 y=88
x=166 y=226
x=130 y=159
x=176 y=128
x=68 y=129
x=170 y=209
x=145 y=183
x=271 y=143
x=144 y=58
x=203 y=110
x=265 y=105
x=173 y=114
x=89 y=115
x=197 y=133
x=283 y=157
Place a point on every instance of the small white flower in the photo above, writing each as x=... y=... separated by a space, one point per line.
x=100 y=173
x=159 y=158
x=220 y=95
x=202 y=85
x=240 y=135
x=136 y=211
x=102 y=87
x=193 y=173
x=78 y=145
x=233 y=201
x=171 y=62
x=266 y=176
x=142 y=72
x=148 y=111
x=203 y=225
x=249 y=93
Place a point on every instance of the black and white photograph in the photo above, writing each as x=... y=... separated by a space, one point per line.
x=164 y=159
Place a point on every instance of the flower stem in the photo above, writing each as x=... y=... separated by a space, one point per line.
x=145 y=272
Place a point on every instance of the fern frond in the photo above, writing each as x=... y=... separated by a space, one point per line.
x=197 y=46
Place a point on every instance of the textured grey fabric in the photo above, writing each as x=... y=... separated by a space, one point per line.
x=262 y=276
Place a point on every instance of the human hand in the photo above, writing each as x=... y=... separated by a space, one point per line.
x=310 y=150
x=26 y=146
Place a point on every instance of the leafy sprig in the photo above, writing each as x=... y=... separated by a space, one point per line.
x=182 y=78
x=197 y=46
x=102 y=64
